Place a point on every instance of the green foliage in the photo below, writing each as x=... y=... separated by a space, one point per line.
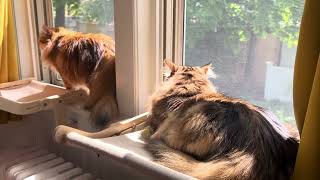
x=95 y=11
x=71 y=4
x=240 y=19
x=283 y=110
x=88 y=11
x=237 y=19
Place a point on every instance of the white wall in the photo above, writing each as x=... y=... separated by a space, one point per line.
x=279 y=83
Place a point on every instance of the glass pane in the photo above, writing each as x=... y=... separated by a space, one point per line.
x=88 y=16
x=252 y=46
x=94 y=16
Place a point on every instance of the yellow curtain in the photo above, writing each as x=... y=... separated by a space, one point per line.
x=8 y=52
x=306 y=92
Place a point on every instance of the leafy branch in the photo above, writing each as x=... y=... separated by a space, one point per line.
x=239 y=19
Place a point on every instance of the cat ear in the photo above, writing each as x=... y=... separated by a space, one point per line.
x=49 y=30
x=173 y=67
x=46 y=34
x=206 y=68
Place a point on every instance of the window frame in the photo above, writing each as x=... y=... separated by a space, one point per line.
x=24 y=13
x=139 y=48
x=174 y=30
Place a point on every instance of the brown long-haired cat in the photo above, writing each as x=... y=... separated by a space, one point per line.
x=202 y=133
x=86 y=61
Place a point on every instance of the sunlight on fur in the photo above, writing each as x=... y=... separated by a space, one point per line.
x=85 y=61
x=198 y=131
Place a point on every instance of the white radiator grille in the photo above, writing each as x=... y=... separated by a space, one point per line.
x=37 y=164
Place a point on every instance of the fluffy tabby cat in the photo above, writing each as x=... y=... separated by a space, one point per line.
x=84 y=61
x=203 y=133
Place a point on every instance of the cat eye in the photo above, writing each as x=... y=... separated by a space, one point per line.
x=167 y=76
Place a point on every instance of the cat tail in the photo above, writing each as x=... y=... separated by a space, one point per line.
x=238 y=165
x=104 y=111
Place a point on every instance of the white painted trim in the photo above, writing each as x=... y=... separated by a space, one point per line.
x=125 y=56
x=179 y=32
x=32 y=14
x=33 y=40
x=44 y=17
x=159 y=42
x=148 y=40
x=138 y=35
x=174 y=29
x=26 y=39
x=48 y=10
x=168 y=16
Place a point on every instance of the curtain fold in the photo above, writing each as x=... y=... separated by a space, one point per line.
x=306 y=93
x=8 y=50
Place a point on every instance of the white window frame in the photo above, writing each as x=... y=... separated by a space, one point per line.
x=174 y=30
x=27 y=41
x=154 y=30
x=138 y=52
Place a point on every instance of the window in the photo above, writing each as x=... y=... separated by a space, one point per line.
x=252 y=46
x=89 y=16
x=136 y=27
x=94 y=16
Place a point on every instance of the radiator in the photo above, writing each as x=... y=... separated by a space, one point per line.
x=35 y=163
